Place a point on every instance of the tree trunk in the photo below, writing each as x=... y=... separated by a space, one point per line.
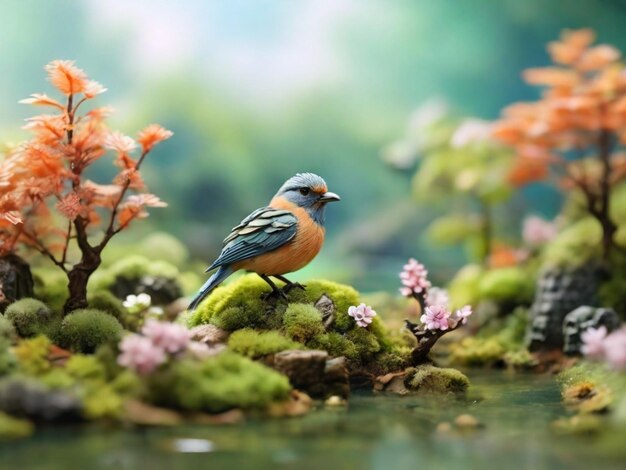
x=78 y=279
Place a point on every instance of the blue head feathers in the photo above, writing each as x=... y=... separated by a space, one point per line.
x=310 y=192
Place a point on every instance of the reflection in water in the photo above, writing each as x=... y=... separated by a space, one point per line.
x=373 y=432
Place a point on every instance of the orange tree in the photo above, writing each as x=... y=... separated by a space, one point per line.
x=574 y=135
x=46 y=202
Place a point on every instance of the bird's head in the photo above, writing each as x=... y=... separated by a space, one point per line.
x=308 y=191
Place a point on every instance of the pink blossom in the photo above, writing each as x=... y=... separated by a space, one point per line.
x=436 y=317
x=437 y=296
x=140 y=354
x=537 y=231
x=463 y=313
x=363 y=314
x=170 y=337
x=414 y=278
x=593 y=342
x=615 y=349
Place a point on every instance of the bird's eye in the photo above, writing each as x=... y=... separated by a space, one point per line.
x=305 y=191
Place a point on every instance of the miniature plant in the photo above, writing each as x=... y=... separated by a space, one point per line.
x=158 y=342
x=436 y=319
x=28 y=316
x=459 y=163
x=84 y=330
x=46 y=201
x=598 y=345
x=574 y=134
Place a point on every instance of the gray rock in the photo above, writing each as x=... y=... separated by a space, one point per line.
x=28 y=399
x=558 y=292
x=583 y=318
x=16 y=280
x=313 y=372
x=326 y=307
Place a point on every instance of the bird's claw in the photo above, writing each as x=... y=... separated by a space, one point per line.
x=274 y=295
x=293 y=285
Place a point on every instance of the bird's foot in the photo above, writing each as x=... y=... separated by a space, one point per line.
x=293 y=285
x=273 y=295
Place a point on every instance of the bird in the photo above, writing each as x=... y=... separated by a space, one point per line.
x=277 y=239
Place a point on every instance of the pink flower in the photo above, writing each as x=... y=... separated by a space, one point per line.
x=437 y=296
x=436 y=317
x=414 y=278
x=615 y=349
x=537 y=231
x=170 y=337
x=363 y=314
x=463 y=313
x=593 y=342
x=140 y=354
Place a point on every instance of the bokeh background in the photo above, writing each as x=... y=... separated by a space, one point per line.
x=256 y=91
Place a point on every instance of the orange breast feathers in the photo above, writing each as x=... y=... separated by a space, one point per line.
x=296 y=253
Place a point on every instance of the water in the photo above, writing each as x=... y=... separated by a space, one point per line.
x=374 y=432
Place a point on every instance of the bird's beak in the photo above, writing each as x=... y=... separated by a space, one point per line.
x=329 y=197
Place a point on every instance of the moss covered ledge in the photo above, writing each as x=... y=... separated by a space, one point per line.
x=314 y=318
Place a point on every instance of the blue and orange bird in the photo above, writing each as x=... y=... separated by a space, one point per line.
x=280 y=238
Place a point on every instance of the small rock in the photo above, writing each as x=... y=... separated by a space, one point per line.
x=467 y=421
x=444 y=428
x=209 y=334
x=143 y=414
x=298 y=404
x=28 y=399
x=327 y=308
x=336 y=377
x=583 y=318
x=335 y=400
x=16 y=280
x=305 y=369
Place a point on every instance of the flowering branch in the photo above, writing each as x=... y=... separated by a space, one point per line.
x=436 y=319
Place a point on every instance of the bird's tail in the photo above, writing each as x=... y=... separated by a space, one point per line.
x=222 y=273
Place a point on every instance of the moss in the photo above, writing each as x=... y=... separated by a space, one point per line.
x=575 y=245
x=14 y=428
x=612 y=292
x=163 y=247
x=512 y=285
x=497 y=344
x=7 y=330
x=464 y=289
x=302 y=322
x=57 y=379
x=32 y=355
x=365 y=342
x=28 y=316
x=239 y=306
x=336 y=345
x=131 y=267
x=393 y=361
x=83 y=367
x=7 y=359
x=51 y=287
x=85 y=329
x=428 y=378
x=102 y=401
x=256 y=344
x=217 y=384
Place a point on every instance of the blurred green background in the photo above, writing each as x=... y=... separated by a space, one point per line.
x=256 y=91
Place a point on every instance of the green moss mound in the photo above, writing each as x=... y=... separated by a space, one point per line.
x=431 y=379
x=7 y=330
x=29 y=316
x=575 y=245
x=512 y=285
x=255 y=344
x=499 y=344
x=85 y=329
x=239 y=307
x=14 y=428
x=217 y=384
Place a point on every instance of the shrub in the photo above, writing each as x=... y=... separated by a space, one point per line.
x=84 y=330
x=256 y=344
x=28 y=316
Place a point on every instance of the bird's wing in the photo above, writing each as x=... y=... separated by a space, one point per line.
x=264 y=230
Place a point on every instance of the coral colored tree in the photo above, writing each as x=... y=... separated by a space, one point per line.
x=46 y=202
x=574 y=135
